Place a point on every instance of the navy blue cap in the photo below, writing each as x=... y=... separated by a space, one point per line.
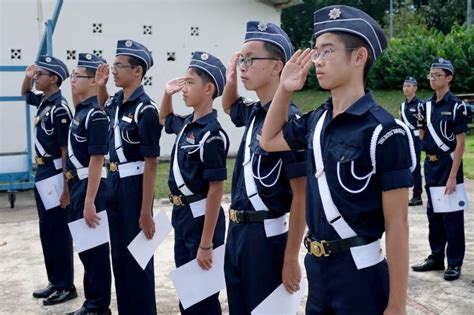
x=88 y=60
x=212 y=66
x=54 y=65
x=441 y=63
x=411 y=80
x=132 y=48
x=271 y=33
x=341 y=18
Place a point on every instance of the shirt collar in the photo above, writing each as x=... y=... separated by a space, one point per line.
x=136 y=94
x=204 y=120
x=445 y=98
x=360 y=107
x=89 y=101
x=54 y=96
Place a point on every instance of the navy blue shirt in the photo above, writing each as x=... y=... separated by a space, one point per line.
x=52 y=129
x=198 y=173
x=88 y=132
x=140 y=139
x=449 y=118
x=275 y=169
x=346 y=143
x=411 y=111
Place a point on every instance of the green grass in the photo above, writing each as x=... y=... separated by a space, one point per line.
x=468 y=158
x=161 y=181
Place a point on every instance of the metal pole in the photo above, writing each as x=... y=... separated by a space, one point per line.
x=391 y=18
x=49 y=37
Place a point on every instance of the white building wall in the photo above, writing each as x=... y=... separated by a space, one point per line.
x=221 y=26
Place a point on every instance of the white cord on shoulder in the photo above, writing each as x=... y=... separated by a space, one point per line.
x=410 y=144
x=260 y=178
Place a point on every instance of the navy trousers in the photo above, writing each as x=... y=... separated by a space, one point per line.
x=336 y=286
x=56 y=239
x=96 y=261
x=253 y=265
x=135 y=287
x=187 y=233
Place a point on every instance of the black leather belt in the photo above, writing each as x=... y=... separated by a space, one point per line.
x=242 y=216
x=436 y=157
x=326 y=248
x=180 y=200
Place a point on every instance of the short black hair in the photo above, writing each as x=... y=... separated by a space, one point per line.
x=206 y=78
x=352 y=41
x=90 y=72
x=274 y=51
x=59 y=81
x=446 y=73
x=135 y=62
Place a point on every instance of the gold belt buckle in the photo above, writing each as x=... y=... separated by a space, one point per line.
x=39 y=160
x=233 y=215
x=432 y=157
x=317 y=248
x=113 y=167
x=176 y=200
x=69 y=175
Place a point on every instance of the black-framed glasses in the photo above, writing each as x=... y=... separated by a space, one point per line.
x=325 y=53
x=248 y=61
x=120 y=66
x=434 y=76
x=77 y=76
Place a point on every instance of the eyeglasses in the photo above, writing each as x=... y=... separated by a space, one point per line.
x=38 y=74
x=434 y=76
x=324 y=54
x=120 y=66
x=248 y=61
x=74 y=77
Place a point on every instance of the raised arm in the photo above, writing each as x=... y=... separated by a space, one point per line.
x=292 y=78
x=230 y=93
x=27 y=81
x=171 y=87
x=101 y=78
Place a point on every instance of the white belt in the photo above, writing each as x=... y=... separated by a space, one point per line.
x=131 y=169
x=83 y=173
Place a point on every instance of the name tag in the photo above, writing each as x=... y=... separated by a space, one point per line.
x=76 y=122
x=412 y=110
x=126 y=119
x=446 y=113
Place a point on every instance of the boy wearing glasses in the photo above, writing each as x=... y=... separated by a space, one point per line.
x=197 y=169
x=51 y=132
x=87 y=145
x=443 y=118
x=134 y=136
x=409 y=112
x=260 y=252
x=358 y=170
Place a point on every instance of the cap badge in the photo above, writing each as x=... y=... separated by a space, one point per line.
x=262 y=26
x=335 y=13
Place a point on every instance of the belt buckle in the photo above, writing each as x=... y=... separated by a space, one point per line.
x=113 y=167
x=176 y=200
x=69 y=175
x=317 y=248
x=233 y=216
x=432 y=157
x=39 y=160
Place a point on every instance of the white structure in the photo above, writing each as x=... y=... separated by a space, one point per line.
x=171 y=29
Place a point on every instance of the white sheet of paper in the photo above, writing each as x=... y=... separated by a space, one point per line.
x=448 y=203
x=193 y=284
x=141 y=248
x=281 y=302
x=85 y=237
x=50 y=190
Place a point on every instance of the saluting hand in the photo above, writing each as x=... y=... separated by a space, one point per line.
x=232 y=68
x=204 y=258
x=174 y=86
x=90 y=215
x=147 y=224
x=293 y=75
x=30 y=71
x=102 y=74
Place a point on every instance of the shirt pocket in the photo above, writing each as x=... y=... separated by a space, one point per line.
x=446 y=126
x=353 y=170
x=129 y=132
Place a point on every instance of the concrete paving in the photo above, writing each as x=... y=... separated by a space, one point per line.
x=22 y=269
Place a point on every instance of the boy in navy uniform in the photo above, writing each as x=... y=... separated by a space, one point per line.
x=51 y=126
x=134 y=135
x=260 y=251
x=409 y=110
x=444 y=123
x=358 y=170
x=87 y=145
x=198 y=168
